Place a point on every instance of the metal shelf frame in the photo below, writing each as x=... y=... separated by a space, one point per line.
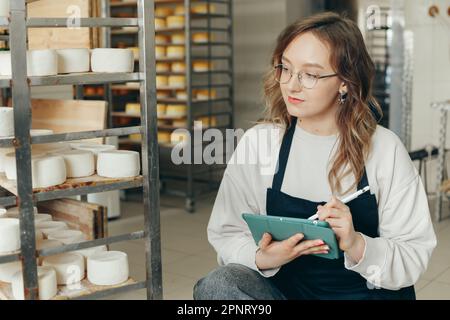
x=22 y=142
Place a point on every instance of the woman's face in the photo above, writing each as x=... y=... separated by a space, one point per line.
x=308 y=54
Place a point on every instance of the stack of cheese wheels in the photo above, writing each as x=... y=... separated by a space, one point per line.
x=69 y=267
x=4 y=8
x=175 y=21
x=160 y=52
x=9 y=235
x=108 y=268
x=67 y=236
x=162 y=81
x=163 y=137
x=136 y=52
x=46 y=280
x=79 y=163
x=46 y=244
x=176 y=110
x=178 y=38
x=48 y=227
x=161 y=109
x=112 y=60
x=175 y=51
x=73 y=60
x=160 y=23
x=118 y=164
x=177 y=81
x=178 y=67
x=42 y=62
x=5 y=63
x=162 y=67
x=161 y=39
x=48 y=171
x=6 y=122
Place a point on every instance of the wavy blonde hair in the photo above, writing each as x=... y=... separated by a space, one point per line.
x=351 y=61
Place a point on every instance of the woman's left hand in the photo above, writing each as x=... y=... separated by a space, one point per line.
x=338 y=215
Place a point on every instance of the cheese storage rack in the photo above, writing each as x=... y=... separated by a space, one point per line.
x=25 y=196
x=217 y=112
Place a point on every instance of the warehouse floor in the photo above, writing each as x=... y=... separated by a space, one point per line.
x=187 y=255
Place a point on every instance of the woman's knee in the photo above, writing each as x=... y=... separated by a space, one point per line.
x=222 y=283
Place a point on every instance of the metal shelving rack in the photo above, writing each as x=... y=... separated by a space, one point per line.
x=214 y=24
x=149 y=181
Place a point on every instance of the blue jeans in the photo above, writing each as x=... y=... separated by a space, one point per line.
x=236 y=282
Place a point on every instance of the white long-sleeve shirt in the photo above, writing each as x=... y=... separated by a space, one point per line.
x=392 y=261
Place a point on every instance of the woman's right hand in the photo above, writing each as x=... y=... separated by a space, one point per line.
x=274 y=254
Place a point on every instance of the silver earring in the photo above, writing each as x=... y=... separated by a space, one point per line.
x=342 y=98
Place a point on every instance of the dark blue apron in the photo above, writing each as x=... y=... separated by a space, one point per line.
x=311 y=277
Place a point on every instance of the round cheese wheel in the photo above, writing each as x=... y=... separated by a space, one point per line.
x=162 y=94
x=5 y=63
x=3 y=152
x=108 y=268
x=162 y=81
x=160 y=23
x=182 y=95
x=9 y=164
x=201 y=66
x=161 y=39
x=179 y=9
x=179 y=123
x=160 y=52
x=46 y=244
x=178 y=38
x=161 y=109
x=112 y=60
x=162 y=67
x=178 y=67
x=73 y=60
x=205 y=94
x=177 y=81
x=200 y=37
x=202 y=8
x=175 y=51
x=163 y=137
x=9 y=235
x=133 y=108
x=69 y=267
x=6 y=122
x=67 y=236
x=48 y=226
x=46 y=281
x=7 y=270
x=79 y=163
x=118 y=164
x=175 y=21
x=48 y=171
x=163 y=11
x=42 y=62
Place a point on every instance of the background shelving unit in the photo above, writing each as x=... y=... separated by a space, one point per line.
x=215 y=22
x=24 y=195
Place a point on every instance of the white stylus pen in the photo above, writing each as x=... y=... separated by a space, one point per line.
x=345 y=200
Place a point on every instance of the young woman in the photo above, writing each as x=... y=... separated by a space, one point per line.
x=328 y=146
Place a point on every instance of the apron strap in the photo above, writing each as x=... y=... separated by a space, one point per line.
x=363 y=182
x=283 y=156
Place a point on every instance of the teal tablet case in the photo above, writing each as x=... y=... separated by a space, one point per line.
x=282 y=228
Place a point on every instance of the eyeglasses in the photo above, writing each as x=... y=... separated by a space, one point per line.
x=283 y=75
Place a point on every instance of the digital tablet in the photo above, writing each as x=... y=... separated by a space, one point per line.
x=282 y=228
